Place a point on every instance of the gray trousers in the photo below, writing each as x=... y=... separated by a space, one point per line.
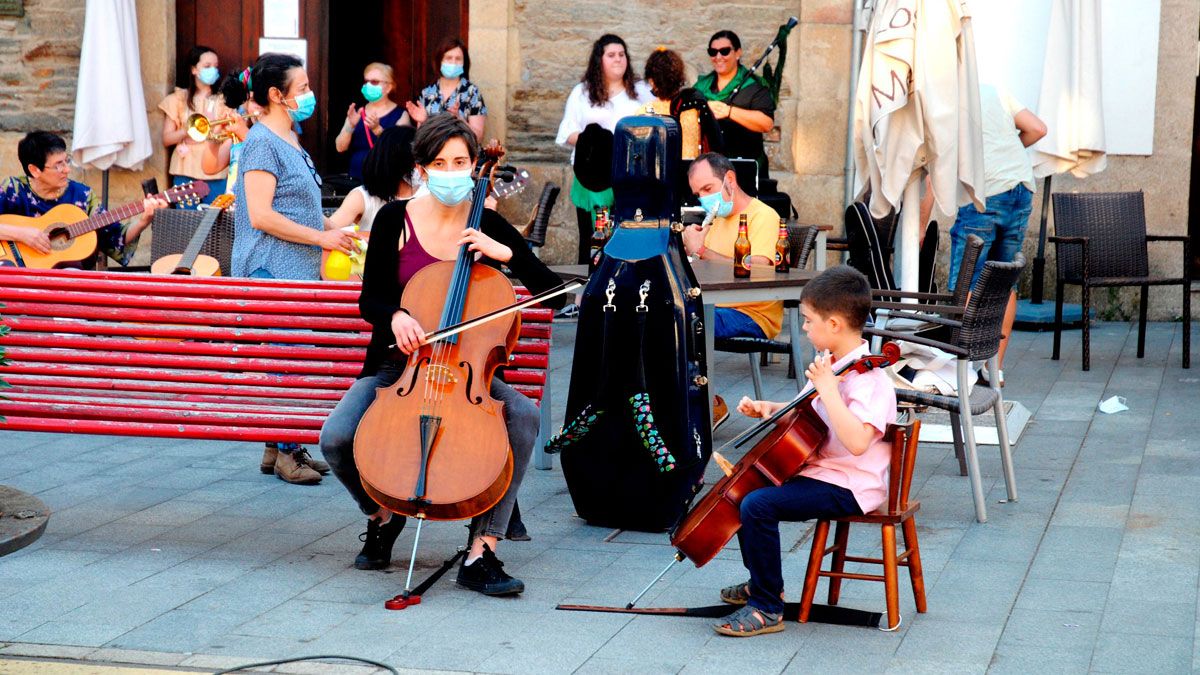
x=337 y=445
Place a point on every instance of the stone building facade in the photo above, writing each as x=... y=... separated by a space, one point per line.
x=527 y=54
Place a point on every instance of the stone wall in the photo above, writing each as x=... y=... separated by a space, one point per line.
x=39 y=62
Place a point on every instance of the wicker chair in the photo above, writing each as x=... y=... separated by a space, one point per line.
x=910 y=318
x=172 y=229
x=539 y=221
x=975 y=338
x=801 y=239
x=1101 y=241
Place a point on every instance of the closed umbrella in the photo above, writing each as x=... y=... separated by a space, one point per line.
x=1071 y=105
x=110 y=108
x=917 y=114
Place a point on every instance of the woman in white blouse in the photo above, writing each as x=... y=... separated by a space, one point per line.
x=606 y=93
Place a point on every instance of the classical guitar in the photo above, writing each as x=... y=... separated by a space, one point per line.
x=73 y=234
x=190 y=262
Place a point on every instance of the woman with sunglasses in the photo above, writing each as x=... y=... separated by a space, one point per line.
x=364 y=125
x=279 y=229
x=743 y=106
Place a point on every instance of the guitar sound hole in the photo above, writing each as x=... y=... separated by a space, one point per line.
x=60 y=238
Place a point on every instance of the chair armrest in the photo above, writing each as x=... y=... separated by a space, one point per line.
x=927 y=318
x=1068 y=240
x=915 y=339
x=881 y=293
x=908 y=307
x=1182 y=238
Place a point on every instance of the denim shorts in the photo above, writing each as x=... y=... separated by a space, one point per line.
x=1001 y=226
x=732 y=323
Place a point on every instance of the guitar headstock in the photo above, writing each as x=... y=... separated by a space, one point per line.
x=222 y=201
x=510 y=182
x=188 y=194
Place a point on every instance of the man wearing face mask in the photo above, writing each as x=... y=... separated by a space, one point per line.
x=712 y=178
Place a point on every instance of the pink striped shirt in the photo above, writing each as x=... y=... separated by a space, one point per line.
x=872 y=399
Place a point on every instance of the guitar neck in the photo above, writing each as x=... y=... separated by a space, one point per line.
x=107 y=218
x=198 y=238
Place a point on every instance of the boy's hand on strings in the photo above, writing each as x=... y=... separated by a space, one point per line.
x=820 y=373
x=758 y=409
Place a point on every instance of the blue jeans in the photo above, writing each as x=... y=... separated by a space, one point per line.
x=1001 y=226
x=215 y=187
x=732 y=323
x=797 y=500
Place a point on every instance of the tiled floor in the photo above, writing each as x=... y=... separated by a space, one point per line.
x=182 y=554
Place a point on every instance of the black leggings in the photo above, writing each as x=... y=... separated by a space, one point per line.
x=586 y=223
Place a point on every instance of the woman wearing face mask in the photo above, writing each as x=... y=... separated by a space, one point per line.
x=744 y=108
x=606 y=93
x=407 y=236
x=279 y=229
x=452 y=92
x=364 y=125
x=198 y=97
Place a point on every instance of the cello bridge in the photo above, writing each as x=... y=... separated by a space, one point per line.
x=440 y=375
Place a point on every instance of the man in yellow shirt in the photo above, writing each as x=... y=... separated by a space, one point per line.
x=712 y=178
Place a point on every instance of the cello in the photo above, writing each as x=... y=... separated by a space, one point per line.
x=434 y=444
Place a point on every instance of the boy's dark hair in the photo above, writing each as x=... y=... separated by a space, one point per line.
x=433 y=135
x=440 y=53
x=389 y=162
x=841 y=291
x=271 y=70
x=193 y=58
x=36 y=147
x=232 y=90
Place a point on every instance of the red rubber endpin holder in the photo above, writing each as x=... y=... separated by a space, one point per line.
x=401 y=602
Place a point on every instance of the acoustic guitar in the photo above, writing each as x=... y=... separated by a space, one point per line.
x=191 y=262
x=73 y=234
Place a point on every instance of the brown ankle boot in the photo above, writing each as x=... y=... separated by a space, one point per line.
x=293 y=468
x=317 y=465
x=270 y=452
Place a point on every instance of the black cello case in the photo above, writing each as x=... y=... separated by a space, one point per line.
x=616 y=478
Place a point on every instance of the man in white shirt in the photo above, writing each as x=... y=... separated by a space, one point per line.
x=1008 y=128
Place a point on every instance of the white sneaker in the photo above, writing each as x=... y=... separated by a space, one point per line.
x=987 y=377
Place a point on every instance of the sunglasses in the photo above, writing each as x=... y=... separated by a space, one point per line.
x=723 y=51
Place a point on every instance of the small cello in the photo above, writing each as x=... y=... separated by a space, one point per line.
x=797 y=434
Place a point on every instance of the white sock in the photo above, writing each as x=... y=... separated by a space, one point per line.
x=471 y=559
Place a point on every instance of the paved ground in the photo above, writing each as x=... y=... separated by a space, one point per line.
x=181 y=554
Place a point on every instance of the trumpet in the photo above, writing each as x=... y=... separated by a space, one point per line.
x=200 y=128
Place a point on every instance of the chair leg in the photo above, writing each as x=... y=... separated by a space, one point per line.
x=891 y=576
x=841 y=535
x=756 y=376
x=1058 y=325
x=959 y=453
x=1142 y=302
x=794 y=323
x=1010 y=477
x=820 y=534
x=1086 y=296
x=1187 y=324
x=915 y=574
x=964 y=402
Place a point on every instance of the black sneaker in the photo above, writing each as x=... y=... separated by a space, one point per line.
x=487 y=576
x=377 y=541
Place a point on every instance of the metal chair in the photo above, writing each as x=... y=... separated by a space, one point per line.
x=539 y=221
x=801 y=239
x=976 y=337
x=898 y=510
x=1101 y=241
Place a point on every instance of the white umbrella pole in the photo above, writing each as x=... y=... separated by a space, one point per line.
x=910 y=236
x=856 y=37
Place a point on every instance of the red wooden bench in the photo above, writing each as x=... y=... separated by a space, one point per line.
x=181 y=357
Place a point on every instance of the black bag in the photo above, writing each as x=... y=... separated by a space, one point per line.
x=637 y=435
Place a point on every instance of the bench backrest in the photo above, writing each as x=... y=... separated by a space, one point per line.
x=214 y=358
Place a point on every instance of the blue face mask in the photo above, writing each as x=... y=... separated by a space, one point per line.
x=306 y=103
x=718 y=202
x=209 y=75
x=450 y=187
x=451 y=70
x=372 y=92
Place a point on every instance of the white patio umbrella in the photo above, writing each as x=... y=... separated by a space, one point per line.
x=111 y=127
x=917 y=114
x=1071 y=105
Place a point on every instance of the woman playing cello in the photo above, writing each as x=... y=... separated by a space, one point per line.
x=406 y=237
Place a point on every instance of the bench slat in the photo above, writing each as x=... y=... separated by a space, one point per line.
x=189 y=363
x=179 y=375
x=160 y=430
x=129 y=302
x=171 y=332
x=75 y=411
x=166 y=316
x=124 y=344
x=101 y=383
x=160 y=397
x=109 y=401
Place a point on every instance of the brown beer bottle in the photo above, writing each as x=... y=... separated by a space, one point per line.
x=741 y=250
x=783 y=249
x=600 y=234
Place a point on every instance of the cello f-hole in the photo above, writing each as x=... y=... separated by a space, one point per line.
x=412 y=383
x=473 y=400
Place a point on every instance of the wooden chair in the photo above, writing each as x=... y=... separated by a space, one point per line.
x=1101 y=241
x=898 y=510
x=801 y=239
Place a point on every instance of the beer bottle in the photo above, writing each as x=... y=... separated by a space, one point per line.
x=741 y=250
x=783 y=249
x=599 y=237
